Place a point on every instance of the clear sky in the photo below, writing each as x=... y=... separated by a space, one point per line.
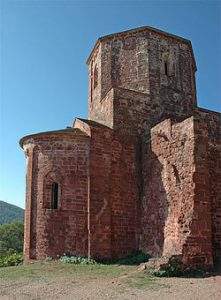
x=43 y=75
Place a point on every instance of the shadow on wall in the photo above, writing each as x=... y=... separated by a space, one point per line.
x=154 y=204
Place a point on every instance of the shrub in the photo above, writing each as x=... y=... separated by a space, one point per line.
x=172 y=269
x=77 y=260
x=11 y=259
x=175 y=268
x=134 y=258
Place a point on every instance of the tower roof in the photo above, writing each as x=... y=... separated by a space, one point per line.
x=137 y=30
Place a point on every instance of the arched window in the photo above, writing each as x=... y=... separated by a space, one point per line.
x=54 y=195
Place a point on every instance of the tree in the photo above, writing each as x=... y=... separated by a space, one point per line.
x=11 y=237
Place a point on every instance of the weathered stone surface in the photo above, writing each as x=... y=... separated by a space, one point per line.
x=62 y=158
x=142 y=173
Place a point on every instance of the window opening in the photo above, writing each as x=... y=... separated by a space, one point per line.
x=166 y=68
x=95 y=77
x=91 y=83
x=54 y=195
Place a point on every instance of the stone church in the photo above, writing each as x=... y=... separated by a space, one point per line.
x=141 y=173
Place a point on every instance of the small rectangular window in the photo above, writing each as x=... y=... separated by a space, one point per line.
x=54 y=195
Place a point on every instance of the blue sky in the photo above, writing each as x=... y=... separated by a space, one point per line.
x=43 y=75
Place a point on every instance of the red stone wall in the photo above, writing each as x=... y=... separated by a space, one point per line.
x=125 y=195
x=176 y=207
x=114 y=192
x=132 y=112
x=100 y=193
x=165 y=167
x=61 y=158
x=30 y=204
x=197 y=250
x=209 y=124
x=102 y=111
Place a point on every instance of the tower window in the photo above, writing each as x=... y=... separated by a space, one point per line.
x=54 y=195
x=166 y=68
x=95 y=77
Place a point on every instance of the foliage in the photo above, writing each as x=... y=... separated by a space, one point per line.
x=11 y=238
x=175 y=269
x=191 y=273
x=135 y=258
x=10 y=213
x=77 y=260
x=11 y=244
x=132 y=259
x=13 y=259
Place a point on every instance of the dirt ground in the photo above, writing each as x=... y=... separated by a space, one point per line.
x=59 y=281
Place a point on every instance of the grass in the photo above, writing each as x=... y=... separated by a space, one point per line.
x=72 y=267
x=123 y=272
x=141 y=281
x=54 y=271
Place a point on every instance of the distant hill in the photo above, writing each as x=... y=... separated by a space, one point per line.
x=10 y=213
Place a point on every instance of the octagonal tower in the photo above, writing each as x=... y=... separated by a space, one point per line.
x=140 y=76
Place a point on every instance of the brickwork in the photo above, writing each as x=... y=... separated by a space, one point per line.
x=100 y=193
x=198 y=245
x=175 y=216
x=125 y=183
x=142 y=173
x=113 y=208
x=168 y=181
x=209 y=122
x=61 y=158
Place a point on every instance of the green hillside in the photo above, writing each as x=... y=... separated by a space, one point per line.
x=10 y=213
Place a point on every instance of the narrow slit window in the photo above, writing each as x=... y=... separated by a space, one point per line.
x=54 y=195
x=91 y=85
x=95 y=77
x=166 y=68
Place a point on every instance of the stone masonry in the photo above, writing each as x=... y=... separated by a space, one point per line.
x=142 y=173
